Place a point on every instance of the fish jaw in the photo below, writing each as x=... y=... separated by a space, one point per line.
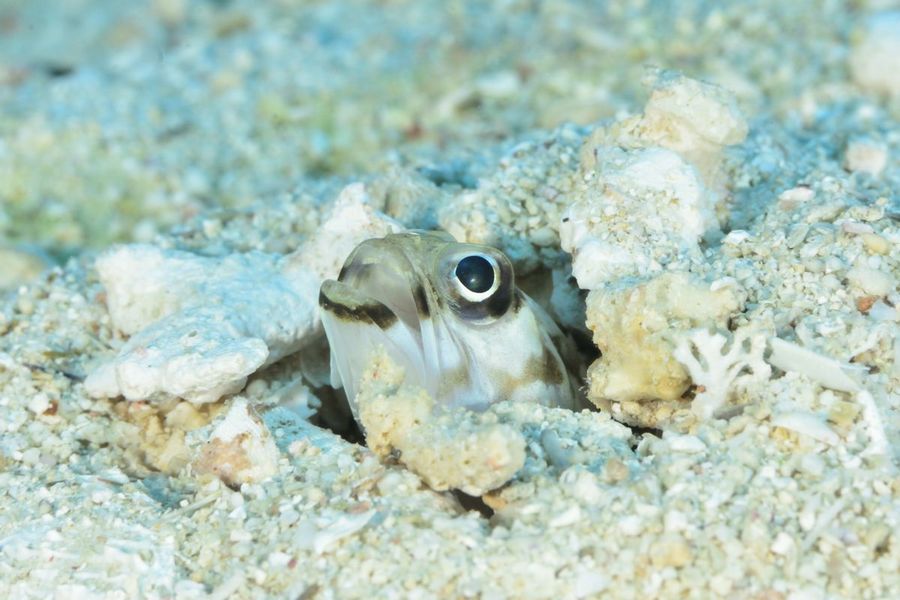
x=356 y=326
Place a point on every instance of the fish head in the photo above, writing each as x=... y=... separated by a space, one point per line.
x=449 y=313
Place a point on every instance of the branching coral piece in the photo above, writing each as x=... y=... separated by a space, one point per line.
x=717 y=370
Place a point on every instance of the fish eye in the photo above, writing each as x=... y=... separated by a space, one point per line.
x=476 y=276
x=477 y=281
x=476 y=273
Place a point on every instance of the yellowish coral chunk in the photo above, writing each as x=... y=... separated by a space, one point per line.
x=635 y=328
x=457 y=449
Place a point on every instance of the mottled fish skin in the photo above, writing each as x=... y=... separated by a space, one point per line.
x=466 y=345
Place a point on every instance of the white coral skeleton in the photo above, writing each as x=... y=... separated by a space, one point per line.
x=719 y=368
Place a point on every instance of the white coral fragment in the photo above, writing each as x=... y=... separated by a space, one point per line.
x=834 y=375
x=878 y=440
x=201 y=325
x=808 y=424
x=718 y=370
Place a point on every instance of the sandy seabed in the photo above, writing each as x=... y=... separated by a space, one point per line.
x=720 y=167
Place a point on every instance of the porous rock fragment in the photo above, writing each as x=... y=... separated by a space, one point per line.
x=648 y=186
x=201 y=325
x=219 y=320
x=640 y=210
x=693 y=118
x=154 y=435
x=239 y=448
x=458 y=449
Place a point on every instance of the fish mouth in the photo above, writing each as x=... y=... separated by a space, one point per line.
x=372 y=306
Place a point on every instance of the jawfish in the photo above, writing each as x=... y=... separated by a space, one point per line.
x=451 y=315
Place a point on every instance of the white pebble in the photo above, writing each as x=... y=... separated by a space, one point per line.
x=240 y=535
x=39 y=403
x=807 y=520
x=871 y=281
x=631 y=525
x=101 y=496
x=279 y=560
x=720 y=584
x=570 y=516
x=590 y=583
x=675 y=521
x=783 y=544
x=866 y=156
x=736 y=237
x=812 y=465
x=31 y=456
x=856 y=227
x=794 y=197
x=687 y=444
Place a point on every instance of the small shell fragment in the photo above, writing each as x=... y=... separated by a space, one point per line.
x=807 y=424
x=866 y=156
x=794 y=197
x=821 y=369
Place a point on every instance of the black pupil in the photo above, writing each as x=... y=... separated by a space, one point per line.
x=476 y=273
